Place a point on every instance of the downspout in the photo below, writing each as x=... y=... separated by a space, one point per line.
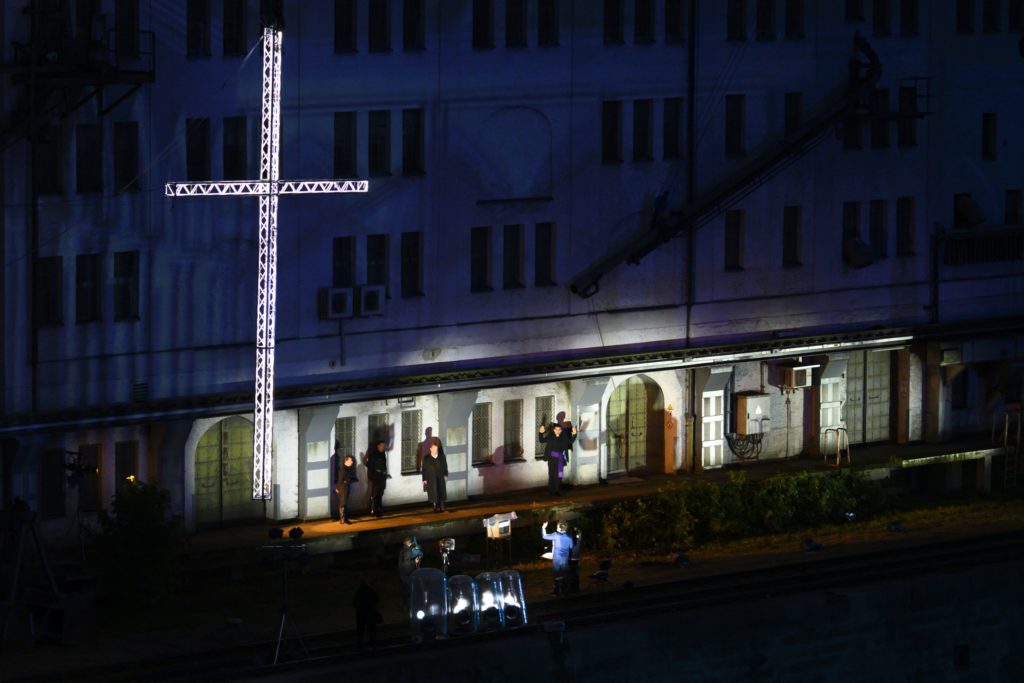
x=691 y=170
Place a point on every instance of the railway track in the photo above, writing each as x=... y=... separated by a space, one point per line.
x=580 y=611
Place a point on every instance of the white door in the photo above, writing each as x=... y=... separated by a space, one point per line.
x=830 y=412
x=713 y=422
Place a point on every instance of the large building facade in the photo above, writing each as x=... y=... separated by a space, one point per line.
x=823 y=202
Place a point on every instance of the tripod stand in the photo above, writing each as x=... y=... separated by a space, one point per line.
x=286 y=552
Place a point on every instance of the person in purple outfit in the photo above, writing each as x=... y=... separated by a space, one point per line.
x=557 y=443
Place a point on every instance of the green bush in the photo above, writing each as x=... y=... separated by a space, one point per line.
x=684 y=515
x=137 y=545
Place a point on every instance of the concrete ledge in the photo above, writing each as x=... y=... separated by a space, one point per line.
x=904 y=462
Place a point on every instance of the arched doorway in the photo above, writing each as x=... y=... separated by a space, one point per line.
x=635 y=425
x=224 y=474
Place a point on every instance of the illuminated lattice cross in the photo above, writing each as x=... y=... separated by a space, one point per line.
x=267 y=188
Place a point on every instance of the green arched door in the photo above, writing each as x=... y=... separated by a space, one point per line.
x=635 y=425
x=224 y=474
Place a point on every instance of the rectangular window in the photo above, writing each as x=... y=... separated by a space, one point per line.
x=412 y=429
x=880 y=117
x=909 y=18
x=480 y=259
x=197 y=20
x=543 y=414
x=344 y=144
x=959 y=390
x=547 y=23
x=48 y=291
x=734 y=118
x=412 y=264
x=481 y=433
x=614 y=31
x=87 y=287
x=378 y=428
x=734 y=239
x=881 y=17
x=791 y=114
x=736 y=20
x=792 y=219
x=643 y=22
x=512 y=257
x=672 y=128
x=126 y=463
x=126 y=156
x=990 y=19
x=89 y=481
x=1016 y=16
x=380 y=26
x=52 y=476
x=343 y=262
x=412 y=142
x=413 y=25
x=643 y=133
x=611 y=131
x=675 y=22
x=965 y=16
x=126 y=285
x=515 y=23
x=1014 y=210
x=904 y=226
x=344 y=26
x=854 y=10
x=851 y=219
x=88 y=158
x=989 y=143
x=377 y=260
x=965 y=211
x=197 y=149
x=48 y=161
x=851 y=131
x=794 y=19
x=544 y=255
x=345 y=435
x=878 y=228
x=380 y=143
x=126 y=28
x=483 y=24
x=235 y=38
x=236 y=157
x=906 y=128
x=513 y=447
x=765 y=20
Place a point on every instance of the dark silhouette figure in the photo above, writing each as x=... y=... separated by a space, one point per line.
x=557 y=443
x=377 y=473
x=343 y=486
x=365 y=603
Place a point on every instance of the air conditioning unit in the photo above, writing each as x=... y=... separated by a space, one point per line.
x=334 y=303
x=795 y=377
x=371 y=300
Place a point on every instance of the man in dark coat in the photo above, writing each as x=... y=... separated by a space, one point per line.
x=365 y=603
x=435 y=469
x=377 y=473
x=343 y=485
x=557 y=443
x=409 y=558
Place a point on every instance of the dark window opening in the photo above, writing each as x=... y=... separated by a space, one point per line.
x=197 y=149
x=643 y=22
x=343 y=262
x=344 y=26
x=675 y=22
x=544 y=255
x=515 y=23
x=881 y=17
x=483 y=24
x=379 y=26
x=736 y=20
x=512 y=257
x=909 y=20
x=48 y=291
x=904 y=226
x=547 y=23
x=344 y=144
x=88 y=158
x=236 y=157
x=734 y=239
x=126 y=285
x=235 y=37
x=611 y=131
x=1014 y=210
x=989 y=142
x=89 y=481
x=412 y=142
x=794 y=19
x=965 y=16
x=377 y=261
x=48 y=160
x=197 y=20
x=878 y=229
x=643 y=133
x=126 y=156
x=734 y=120
x=88 y=273
x=614 y=30
x=880 y=118
x=480 y=259
x=854 y=10
x=765 y=20
x=672 y=128
x=413 y=25
x=412 y=264
x=126 y=463
x=52 y=475
x=991 y=22
x=792 y=219
x=906 y=128
x=380 y=143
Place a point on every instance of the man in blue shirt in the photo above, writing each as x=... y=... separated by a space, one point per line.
x=561 y=545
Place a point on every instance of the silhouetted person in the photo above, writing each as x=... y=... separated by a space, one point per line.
x=409 y=558
x=573 y=585
x=557 y=443
x=435 y=469
x=365 y=603
x=346 y=477
x=377 y=473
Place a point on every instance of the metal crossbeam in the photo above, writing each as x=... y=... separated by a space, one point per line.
x=255 y=188
x=267 y=188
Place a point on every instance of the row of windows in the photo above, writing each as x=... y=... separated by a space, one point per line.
x=48 y=161
x=672 y=127
x=48 y=292
x=54 y=479
x=413 y=445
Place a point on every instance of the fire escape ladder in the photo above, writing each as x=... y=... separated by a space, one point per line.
x=768 y=160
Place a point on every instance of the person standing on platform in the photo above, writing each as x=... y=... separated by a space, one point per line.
x=557 y=443
x=343 y=486
x=377 y=473
x=435 y=469
x=561 y=548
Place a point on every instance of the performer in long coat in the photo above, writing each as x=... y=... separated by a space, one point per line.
x=343 y=487
x=435 y=469
x=557 y=443
x=377 y=473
